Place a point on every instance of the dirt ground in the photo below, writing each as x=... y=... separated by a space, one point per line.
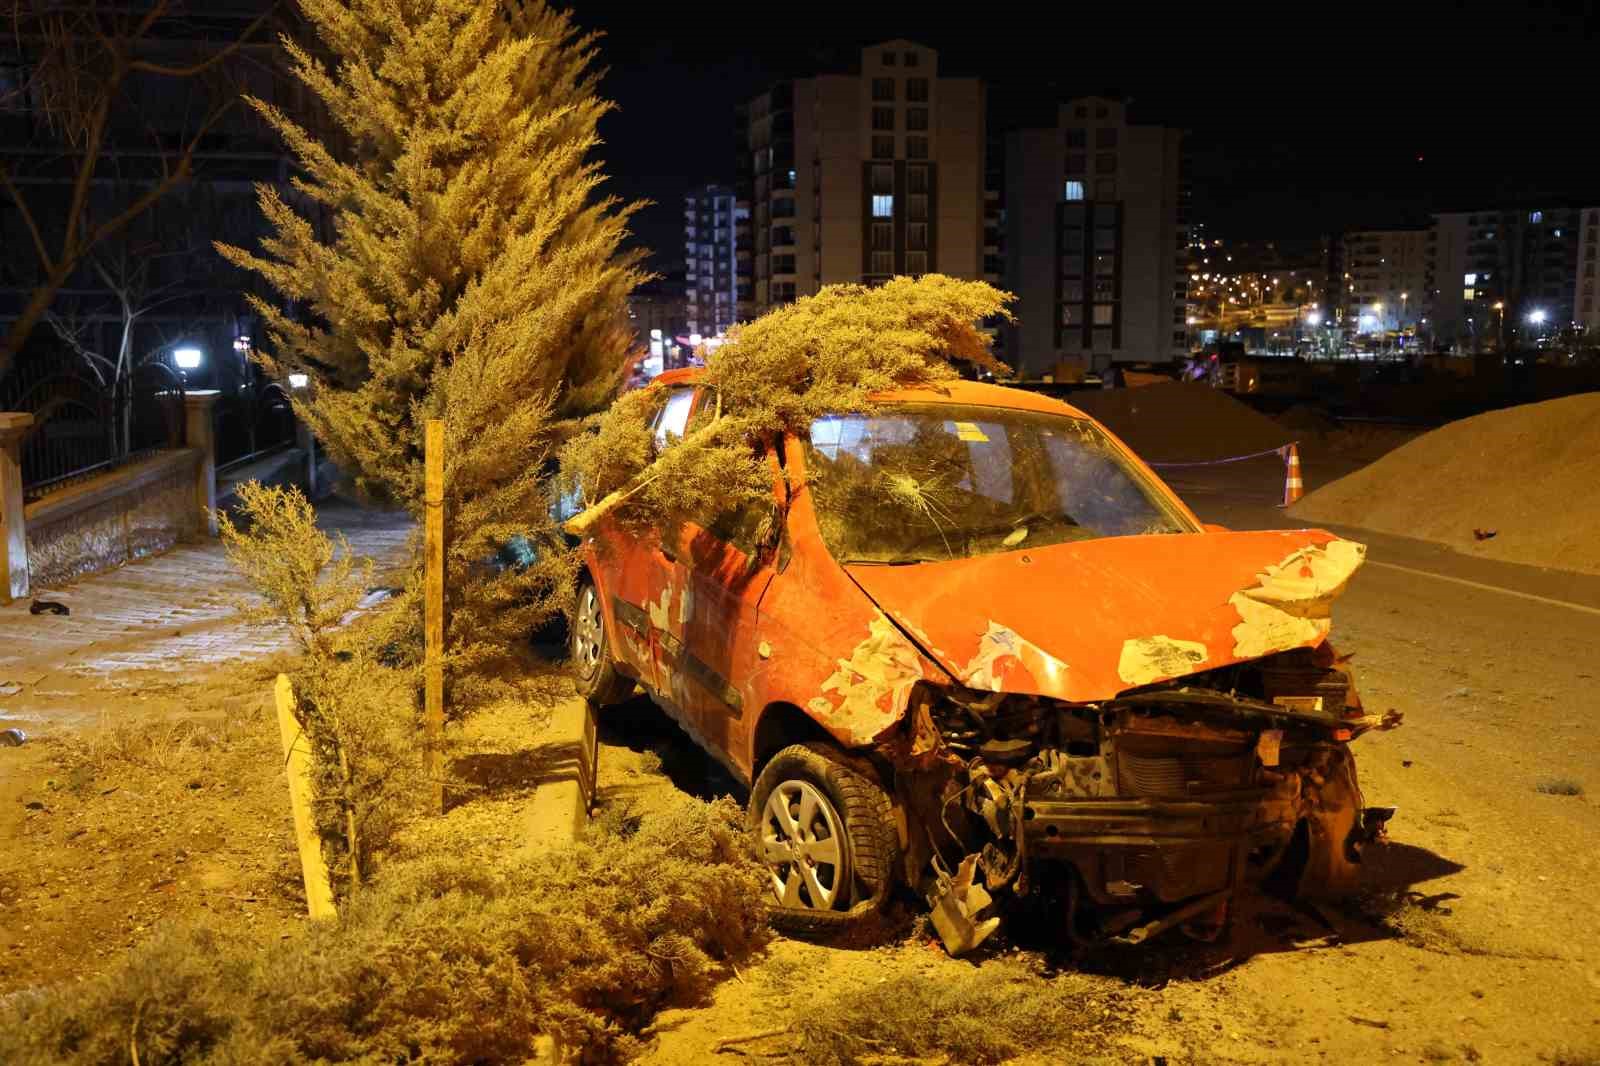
x=1475 y=941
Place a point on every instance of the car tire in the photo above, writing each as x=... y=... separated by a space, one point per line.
x=845 y=800
x=593 y=668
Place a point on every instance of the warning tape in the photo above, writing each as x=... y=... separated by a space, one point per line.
x=1281 y=453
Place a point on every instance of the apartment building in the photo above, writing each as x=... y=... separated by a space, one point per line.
x=863 y=175
x=1383 y=285
x=713 y=222
x=1507 y=277
x=1095 y=240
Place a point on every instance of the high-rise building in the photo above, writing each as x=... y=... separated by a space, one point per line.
x=1584 y=296
x=860 y=176
x=1505 y=277
x=1383 y=286
x=1095 y=240
x=713 y=220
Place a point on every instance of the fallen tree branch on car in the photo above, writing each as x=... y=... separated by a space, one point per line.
x=822 y=355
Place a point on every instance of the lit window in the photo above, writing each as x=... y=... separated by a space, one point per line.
x=1469 y=279
x=883 y=207
x=1535 y=216
x=1074 y=190
x=1469 y=294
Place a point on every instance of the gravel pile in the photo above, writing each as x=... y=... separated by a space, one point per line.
x=1520 y=485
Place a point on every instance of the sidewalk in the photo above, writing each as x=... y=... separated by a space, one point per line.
x=174 y=612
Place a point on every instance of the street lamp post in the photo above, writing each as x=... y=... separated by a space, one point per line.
x=1500 y=310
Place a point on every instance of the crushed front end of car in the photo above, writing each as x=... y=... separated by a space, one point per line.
x=1151 y=810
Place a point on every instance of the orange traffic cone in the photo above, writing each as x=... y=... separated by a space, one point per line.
x=1293 y=487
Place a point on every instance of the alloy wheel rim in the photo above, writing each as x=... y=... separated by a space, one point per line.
x=802 y=842
x=586 y=633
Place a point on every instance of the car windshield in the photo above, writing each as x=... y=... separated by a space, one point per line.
x=921 y=483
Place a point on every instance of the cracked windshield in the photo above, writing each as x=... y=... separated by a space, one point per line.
x=925 y=483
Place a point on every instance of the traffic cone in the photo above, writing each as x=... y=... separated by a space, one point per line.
x=1293 y=487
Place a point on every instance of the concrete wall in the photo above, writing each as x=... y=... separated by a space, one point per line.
x=105 y=522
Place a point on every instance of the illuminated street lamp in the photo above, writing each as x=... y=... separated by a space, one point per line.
x=1536 y=316
x=187 y=358
x=299 y=381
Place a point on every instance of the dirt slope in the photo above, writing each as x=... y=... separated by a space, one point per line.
x=1531 y=474
x=1182 y=422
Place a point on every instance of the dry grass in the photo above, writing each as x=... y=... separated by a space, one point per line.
x=977 y=1015
x=445 y=960
x=1559 y=786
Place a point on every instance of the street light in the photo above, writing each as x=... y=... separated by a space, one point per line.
x=299 y=381
x=186 y=358
x=1537 y=317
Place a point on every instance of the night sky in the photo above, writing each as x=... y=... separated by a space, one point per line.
x=1304 y=118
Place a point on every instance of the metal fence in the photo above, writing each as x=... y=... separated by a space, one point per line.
x=253 y=423
x=82 y=428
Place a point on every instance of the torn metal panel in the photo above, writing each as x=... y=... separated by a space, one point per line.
x=1079 y=604
x=1006 y=662
x=1146 y=660
x=1290 y=606
x=870 y=690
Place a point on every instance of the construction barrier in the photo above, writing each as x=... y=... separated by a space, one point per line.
x=1293 y=486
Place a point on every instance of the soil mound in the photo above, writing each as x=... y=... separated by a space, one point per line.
x=1182 y=422
x=1304 y=418
x=1527 y=475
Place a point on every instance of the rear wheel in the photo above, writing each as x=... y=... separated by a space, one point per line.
x=592 y=664
x=824 y=827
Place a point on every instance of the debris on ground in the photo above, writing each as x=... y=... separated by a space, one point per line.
x=1524 y=474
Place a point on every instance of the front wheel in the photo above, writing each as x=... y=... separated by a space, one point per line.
x=592 y=665
x=825 y=829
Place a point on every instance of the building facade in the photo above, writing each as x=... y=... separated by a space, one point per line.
x=1095 y=242
x=713 y=222
x=1383 y=287
x=862 y=176
x=1584 y=296
x=1502 y=278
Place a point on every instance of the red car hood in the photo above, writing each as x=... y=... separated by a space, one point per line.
x=1084 y=621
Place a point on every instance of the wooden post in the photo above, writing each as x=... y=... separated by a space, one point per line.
x=297 y=765
x=433 y=606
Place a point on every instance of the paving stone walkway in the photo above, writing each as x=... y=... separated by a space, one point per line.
x=171 y=612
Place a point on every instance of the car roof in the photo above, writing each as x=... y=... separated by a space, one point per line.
x=960 y=391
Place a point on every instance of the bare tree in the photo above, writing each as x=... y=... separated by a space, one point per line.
x=83 y=60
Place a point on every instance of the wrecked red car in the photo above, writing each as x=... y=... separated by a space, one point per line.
x=975 y=647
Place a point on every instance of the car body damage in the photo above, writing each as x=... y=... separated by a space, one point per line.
x=1067 y=689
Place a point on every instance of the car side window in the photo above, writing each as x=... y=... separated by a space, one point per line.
x=674 y=417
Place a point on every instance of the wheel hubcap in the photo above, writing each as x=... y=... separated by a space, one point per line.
x=802 y=843
x=586 y=633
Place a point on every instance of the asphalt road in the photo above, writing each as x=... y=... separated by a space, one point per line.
x=1495 y=669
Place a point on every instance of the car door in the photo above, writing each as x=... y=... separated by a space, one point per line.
x=726 y=573
x=640 y=567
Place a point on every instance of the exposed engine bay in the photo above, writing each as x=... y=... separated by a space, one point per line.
x=1145 y=812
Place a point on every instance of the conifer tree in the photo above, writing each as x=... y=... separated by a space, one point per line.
x=451 y=256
